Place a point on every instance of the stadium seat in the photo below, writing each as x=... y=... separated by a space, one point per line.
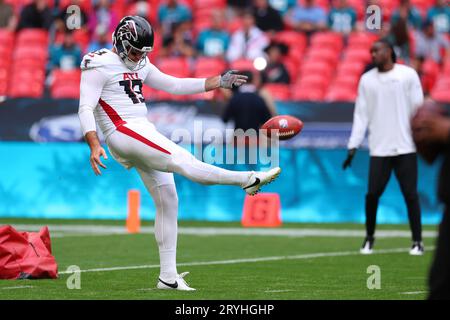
x=242 y=64
x=321 y=68
x=430 y=72
x=278 y=91
x=326 y=54
x=210 y=3
x=32 y=37
x=350 y=68
x=294 y=40
x=317 y=80
x=37 y=52
x=26 y=89
x=441 y=95
x=362 y=40
x=306 y=93
x=6 y=38
x=208 y=66
x=65 y=91
x=177 y=67
x=356 y=54
x=337 y=94
x=443 y=83
x=345 y=82
x=331 y=40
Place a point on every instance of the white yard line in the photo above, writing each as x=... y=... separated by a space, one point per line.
x=413 y=292
x=16 y=287
x=247 y=260
x=77 y=230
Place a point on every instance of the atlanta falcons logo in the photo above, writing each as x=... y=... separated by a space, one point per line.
x=128 y=31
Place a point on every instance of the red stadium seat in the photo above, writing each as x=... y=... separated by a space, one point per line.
x=294 y=40
x=443 y=83
x=350 y=68
x=321 y=68
x=361 y=40
x=26 y=89
x=331 y=40
x=242 y=64
x=278 y=91
x=65 y=91
x=39 y=53
x=361 y=55
x=430 y=71
x=210 y=3
x=441 y=95
x=345 y=82
x=6 y=38
x=317 y=80
x=336 y=94
x=323 y=54
x=306 y=93
x=177 y=67
x=32 y=36
x=206 y=67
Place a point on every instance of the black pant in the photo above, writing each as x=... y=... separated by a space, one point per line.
x=405 y=169
x=439 y=279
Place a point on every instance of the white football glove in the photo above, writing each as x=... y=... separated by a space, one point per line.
x=231 y=79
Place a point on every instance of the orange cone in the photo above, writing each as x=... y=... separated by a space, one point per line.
x=133 y=219
x=262 y=210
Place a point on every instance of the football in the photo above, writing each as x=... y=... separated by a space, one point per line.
x=284 y=127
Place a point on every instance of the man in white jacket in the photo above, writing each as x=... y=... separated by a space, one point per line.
x=111 y=96
x=388 y=97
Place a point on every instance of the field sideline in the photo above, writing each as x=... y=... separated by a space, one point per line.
x=226 y=261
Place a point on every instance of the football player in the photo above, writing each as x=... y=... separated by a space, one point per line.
x=111 y=96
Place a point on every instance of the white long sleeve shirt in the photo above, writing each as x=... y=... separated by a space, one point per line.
x=251 y=48
x=111 y=94
x=385 y=104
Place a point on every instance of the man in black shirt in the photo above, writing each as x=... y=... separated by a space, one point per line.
x=266 y=17
x=246 y=108
x=431 y=133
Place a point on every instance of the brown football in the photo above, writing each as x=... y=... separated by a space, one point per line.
x=284 y=127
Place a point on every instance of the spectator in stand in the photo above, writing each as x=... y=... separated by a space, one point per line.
x=308 y=18
x=440 y=15
x=399 y=38
x=171 y=13
x=266 y=17
x=180 y=43
x=282 y=6
x=214 y=41
x=406 y=10
x=431 y=45
x=36 y=14
x=63 y=16
x=66 y=56
x=101 y=39
x=342 y=17
x=103 y=15
x=248 y=42
x=8 y=19
x=275 y=72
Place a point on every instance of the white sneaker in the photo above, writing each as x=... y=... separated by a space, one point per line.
x=367 y=247
x=179 y=284
x=259 y=179
x=416 y=249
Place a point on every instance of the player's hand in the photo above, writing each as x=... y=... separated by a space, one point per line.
x=231 y=79
x=349 y=159
x=96 y=153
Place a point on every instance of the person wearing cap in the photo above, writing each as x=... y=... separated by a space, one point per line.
x=388 y=97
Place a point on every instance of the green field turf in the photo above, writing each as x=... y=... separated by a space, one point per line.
x=288 y=267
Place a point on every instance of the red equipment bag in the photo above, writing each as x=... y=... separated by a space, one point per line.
x=26 y=255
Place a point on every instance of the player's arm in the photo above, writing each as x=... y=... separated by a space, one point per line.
x=165 y=82
x=360 y=122
x=91 y=86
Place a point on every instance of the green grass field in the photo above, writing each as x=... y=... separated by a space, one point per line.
x=299 y=261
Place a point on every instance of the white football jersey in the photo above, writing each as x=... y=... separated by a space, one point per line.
x=114 y=93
